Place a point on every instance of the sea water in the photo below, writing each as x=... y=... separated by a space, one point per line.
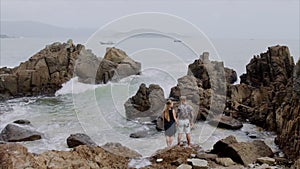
x=98 y=110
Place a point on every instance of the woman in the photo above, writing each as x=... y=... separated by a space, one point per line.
x=169 y=119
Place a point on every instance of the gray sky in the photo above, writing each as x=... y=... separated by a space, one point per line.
x=233 y=18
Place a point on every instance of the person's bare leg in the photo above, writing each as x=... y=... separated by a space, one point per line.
x=171 y=140
x=179 y=138
x=188 y=138
x=167 y=140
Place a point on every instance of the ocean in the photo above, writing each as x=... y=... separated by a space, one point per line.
x=98 y=110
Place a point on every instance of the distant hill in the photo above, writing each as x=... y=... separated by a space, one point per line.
x=5 y=36
x=37 y=29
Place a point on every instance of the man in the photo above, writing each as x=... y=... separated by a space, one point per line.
x=185 y=122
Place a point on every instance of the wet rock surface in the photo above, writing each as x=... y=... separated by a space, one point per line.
x=19 y=132
x=43 y=74
x=78 y=139
x=46 y=71
x=148 y=102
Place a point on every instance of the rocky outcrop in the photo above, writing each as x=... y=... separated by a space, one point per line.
x=288 y=120
x=268 y=96
x=19 y=132
x=226 y=122
x=205 y=87
x=78 y=139
x=43 y=74
x=114 y=66
x=147 y=104
x=242 y=152
x=17 y=156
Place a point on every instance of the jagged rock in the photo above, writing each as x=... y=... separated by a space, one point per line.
x=226 y=122
x=18 y=132
x=230 y=75
x=170 y=155
x=43 y=74
x=77 y=139
x=246 y=153
x=106 y=71
x=118 y=149
x=197 y=97
x=266 y=160
x=116 y=65
x=148 y=102
x=86 y=67
x=222 y=144
x=268 y=96
x=17 y=156
x=198 y=163
x=225 y=162
x=242 y=152
x=115 y=55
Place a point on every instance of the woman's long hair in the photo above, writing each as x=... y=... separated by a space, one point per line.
x=166 y=110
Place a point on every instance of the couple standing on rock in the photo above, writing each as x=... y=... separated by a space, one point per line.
x=183 y=120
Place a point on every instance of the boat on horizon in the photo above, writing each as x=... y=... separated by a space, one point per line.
x=107 y=43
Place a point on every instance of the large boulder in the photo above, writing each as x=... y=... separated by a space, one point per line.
x=18 y=132
x=147 y=103
x=226 y=122
x=86 y=67
x=116 y=65
x=242 y=152
x=120 y=150
x=77 y=139
x=43 y=74
x=221 y=145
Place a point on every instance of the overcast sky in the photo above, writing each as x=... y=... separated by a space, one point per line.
x=236 y=18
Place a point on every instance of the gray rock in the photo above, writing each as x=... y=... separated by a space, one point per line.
x=247 y=152
x=198 y=163
x=142 y=134
x=266 y=160
x=77 y=139
x=225 y=162
x=206 y=156
x=147 y=102
x=222 y=144
x=17 y=132
x=184 y=166
x=226 y=122
x=22 y=121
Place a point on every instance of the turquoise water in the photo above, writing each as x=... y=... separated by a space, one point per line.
x=98 y=109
